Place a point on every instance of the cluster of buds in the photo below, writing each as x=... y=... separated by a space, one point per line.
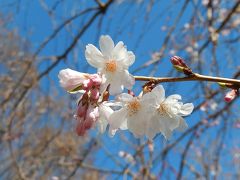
x=180 y=65
x=87 y=110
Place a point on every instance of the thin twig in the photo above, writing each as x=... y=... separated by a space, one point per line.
x=195 y=77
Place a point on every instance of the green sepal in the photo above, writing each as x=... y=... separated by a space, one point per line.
x=178 y=68
x=78 y=88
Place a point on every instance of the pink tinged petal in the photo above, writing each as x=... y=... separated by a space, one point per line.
x=70 y=79
x=87 y=84
x=92 y=113
x=128 y=80
x=106 y=45
x=182 y=124
x=81 y=110
x=96 y=79
x=80 y=130
x=88 y=123
x=95 y=94
x=186 y=109
x=94 y=56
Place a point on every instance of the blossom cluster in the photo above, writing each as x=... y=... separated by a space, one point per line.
x=146 y=115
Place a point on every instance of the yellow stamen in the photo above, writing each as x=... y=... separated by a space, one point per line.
x=133 y=107
x=111 y=66
x=164 y=110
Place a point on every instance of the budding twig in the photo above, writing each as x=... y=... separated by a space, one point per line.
x=194 y=77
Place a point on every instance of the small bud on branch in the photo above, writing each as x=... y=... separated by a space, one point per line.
x=180 y=65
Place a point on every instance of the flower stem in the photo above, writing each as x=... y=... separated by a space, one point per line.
x=194 y=77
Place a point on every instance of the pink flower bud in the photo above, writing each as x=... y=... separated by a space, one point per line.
x=82 y=110
x=180 y=65
x=92 y=113
x=230 y=95
x=87 y=84
x=88 y=124
x=95 y=94
x=178 y=61
x=70 y=79
x=96 y=79
x=80 y=130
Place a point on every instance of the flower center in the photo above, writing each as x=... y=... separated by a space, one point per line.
x=133 y=107
x=111 y=66
x=164 y=110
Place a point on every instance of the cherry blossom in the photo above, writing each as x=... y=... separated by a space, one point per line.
x=168 y=113
x=112 y=62
x=133 y=115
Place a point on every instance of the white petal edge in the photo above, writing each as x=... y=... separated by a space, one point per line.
x=159 y=92
x=186 y=109
x=94 y=56
x=124 y=97
x=129 y=60
x=182 y=125
x=128 y=80
x=106 y=45
x=117 y=118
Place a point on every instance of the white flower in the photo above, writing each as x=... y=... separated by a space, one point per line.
x=70 y=79
x=134 y=114
x=168 y=114
x=113 y=62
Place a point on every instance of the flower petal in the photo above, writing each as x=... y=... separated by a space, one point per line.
x=129 y=60
x=94 y=56
x=159 y=92
x=70 y=79
x=117 y=118
x=173 y=98
x=167 y=133
x=124 y=97
x=152 y=128
x=106 y=45
x=119 y=51
x=182 y=124
x=115 y=88
x=137 y=124
x=128 y=80
x=186 y=109
x=104 y=114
